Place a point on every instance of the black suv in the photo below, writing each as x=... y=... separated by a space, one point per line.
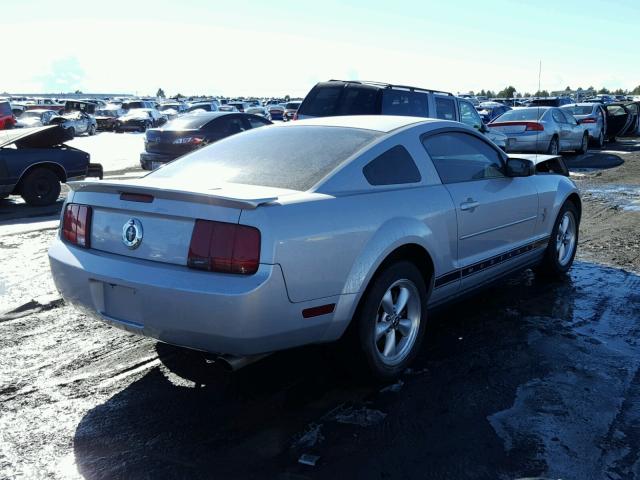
x=339 y=97
x=550 y=102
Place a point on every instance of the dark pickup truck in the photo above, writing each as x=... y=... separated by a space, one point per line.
x=34 y=161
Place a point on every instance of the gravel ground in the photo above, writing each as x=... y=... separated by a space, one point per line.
x=542 y=381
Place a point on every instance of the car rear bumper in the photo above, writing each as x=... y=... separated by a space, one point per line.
x=527 y=142
x=148 y=159
x=217 y=313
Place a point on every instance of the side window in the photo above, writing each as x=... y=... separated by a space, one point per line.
x=461 y=157
x=230 y=126
x=570 y=118
x=401 y=102
x=558 y=116
x=393 y=167
x=358 y=101
x=445 y=108
x=256 y=122
x=469 y=115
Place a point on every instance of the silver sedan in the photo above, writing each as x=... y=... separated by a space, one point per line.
x=310 y=232
x=593 y=117
x=541 y=130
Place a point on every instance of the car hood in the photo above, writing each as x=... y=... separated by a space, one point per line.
x=39 y=137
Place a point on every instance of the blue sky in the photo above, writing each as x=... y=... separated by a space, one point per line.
x=284 y=47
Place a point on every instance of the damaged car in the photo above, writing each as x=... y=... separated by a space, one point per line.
x=139 y=120
x=35 y=118
x=334 y=228
x=623 y=119
x=34 y=161
x=106 y=117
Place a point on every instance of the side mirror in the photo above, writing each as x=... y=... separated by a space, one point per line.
x=483 y=128
x=519 y=167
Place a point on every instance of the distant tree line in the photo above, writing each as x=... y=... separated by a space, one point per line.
x=510 y=92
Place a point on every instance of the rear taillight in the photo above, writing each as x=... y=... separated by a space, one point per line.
x=224 y=247
x=76 y=225
x=534 y=126
x=528 y=126
x=587 y=120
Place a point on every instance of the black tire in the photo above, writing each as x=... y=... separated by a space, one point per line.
x=92 y=130
x=584 y=146
x=600 y=140
x=551 y=265
x=554 y=146
x=361 y=335
x=40 y=187
x=72 y=132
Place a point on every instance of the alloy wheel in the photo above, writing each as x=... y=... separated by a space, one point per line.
x=398 y=322
x=566 y=238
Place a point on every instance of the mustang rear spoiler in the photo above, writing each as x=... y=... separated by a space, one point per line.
x=209 y=197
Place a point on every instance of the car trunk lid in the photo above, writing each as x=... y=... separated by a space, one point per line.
x=164 y=141
x=164 y=212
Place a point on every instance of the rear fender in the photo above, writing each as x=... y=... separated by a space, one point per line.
x=392 y=235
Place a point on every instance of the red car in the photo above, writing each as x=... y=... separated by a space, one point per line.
x=7 y=119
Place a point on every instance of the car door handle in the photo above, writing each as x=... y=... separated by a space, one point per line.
x=470 y=204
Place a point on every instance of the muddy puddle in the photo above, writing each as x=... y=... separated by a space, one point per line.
x=624 y=197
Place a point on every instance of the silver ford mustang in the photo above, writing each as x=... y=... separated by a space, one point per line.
x=313 y=231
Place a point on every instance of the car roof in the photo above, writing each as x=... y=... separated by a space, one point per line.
x=212 y=115
x=380 y=123
x=579 y=104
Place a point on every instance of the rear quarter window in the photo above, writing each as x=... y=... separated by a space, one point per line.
x=393 y=167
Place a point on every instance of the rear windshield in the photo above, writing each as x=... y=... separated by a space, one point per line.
x=521 y=114
x=292 y=106
x=200 y=106
x=5 y=108
x=132 y=105
x=188 y=122
x=283 y=157
x=329 y=100
x=579 y=109
x=554 y=102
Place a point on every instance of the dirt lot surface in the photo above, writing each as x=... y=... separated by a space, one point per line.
x=529 y=379
x=610 y=227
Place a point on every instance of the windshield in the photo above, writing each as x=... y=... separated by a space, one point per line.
x=169 y=107
x=263 y=155
x=28 y=114
x=521 y=114
x=107 y=113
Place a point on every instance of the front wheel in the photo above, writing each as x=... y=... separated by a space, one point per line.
x=563 y=244
x=92 y=130
x=390 y=322
x=72 y=131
